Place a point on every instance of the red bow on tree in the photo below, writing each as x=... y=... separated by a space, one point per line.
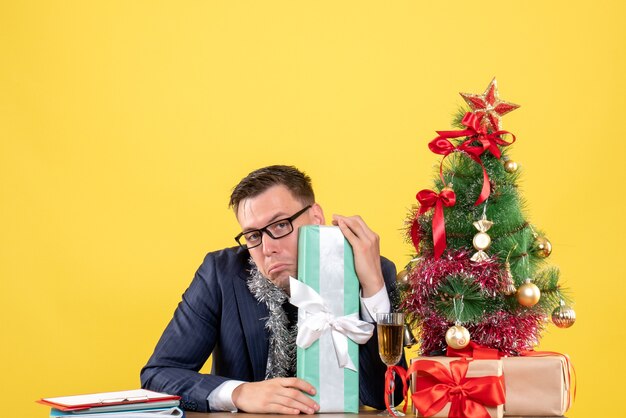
x=488 y=142
x=443 y=146
x=429 y=199
x=468 y=396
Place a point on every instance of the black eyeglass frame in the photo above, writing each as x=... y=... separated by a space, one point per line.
x=267 y=231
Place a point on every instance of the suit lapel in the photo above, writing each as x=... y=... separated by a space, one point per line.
x=252 y=315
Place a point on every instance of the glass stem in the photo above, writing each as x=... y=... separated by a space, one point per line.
x=393 y=389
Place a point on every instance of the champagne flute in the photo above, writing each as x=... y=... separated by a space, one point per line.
x=390 y=347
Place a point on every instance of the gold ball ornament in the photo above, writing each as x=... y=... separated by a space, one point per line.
x=528 y=294
x=402 y=278
x=563 y=316
x=510 y=166
x=542 y=247
x=457 y=337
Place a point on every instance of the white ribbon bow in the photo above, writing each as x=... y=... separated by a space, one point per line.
x=318 y=319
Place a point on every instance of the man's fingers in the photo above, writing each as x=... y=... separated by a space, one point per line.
x=352 y=232
x=354 y=223
x=299 y=384
x=279 y=409
x=357 y=232
x=293 y=395
x=356 y=226
x=281 y=396
x=345 y=230
x=366 y=246
x=300 y=402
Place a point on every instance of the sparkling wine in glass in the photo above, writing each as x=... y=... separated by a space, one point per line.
x=390 y=346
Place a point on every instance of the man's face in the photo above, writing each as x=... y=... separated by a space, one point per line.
x=276 y=259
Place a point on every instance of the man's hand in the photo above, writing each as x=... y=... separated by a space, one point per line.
x=366 y=246
x=283 y=395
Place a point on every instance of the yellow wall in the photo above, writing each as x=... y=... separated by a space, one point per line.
x=124 y=125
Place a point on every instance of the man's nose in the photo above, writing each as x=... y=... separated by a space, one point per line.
x=270 y=245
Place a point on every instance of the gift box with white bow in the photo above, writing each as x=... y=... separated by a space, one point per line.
x=329 y=330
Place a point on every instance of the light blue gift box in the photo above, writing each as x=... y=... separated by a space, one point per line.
x=326 y=264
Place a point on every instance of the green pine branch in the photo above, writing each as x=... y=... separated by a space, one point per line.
x=460 y=299
x=547 y=280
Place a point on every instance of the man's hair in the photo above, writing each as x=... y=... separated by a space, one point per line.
x=258 y=181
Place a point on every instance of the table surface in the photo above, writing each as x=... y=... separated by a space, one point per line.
x=371 y=414
x=368 y=413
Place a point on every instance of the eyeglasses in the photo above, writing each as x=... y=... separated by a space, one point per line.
x=275 y=230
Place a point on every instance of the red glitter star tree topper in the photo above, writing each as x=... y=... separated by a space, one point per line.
x=488 y=106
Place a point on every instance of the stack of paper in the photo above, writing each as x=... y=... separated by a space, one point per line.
x=138 y=403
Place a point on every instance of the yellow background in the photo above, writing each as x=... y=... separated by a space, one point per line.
x=124 y=125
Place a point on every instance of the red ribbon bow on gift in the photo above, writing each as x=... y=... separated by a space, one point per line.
x=436 y=386
x=390 y=386
x=476 y=351
x=488 y=141
x=429 y=199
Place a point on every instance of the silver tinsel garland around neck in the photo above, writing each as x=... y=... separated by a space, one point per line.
x=281 y=358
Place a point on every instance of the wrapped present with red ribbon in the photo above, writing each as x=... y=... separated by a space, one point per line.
x=453 y=387
x=538 y=384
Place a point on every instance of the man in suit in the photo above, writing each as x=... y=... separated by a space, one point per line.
x=220 y=315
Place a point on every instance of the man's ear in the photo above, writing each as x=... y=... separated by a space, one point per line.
x=318 y=214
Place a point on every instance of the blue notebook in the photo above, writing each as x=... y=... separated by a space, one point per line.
x=121 y=411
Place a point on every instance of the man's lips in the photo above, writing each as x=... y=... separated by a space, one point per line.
x=277 y=267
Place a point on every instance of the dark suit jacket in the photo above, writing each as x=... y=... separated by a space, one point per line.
x=219 y=315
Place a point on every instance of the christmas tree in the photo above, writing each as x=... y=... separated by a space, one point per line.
x=480 y=272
